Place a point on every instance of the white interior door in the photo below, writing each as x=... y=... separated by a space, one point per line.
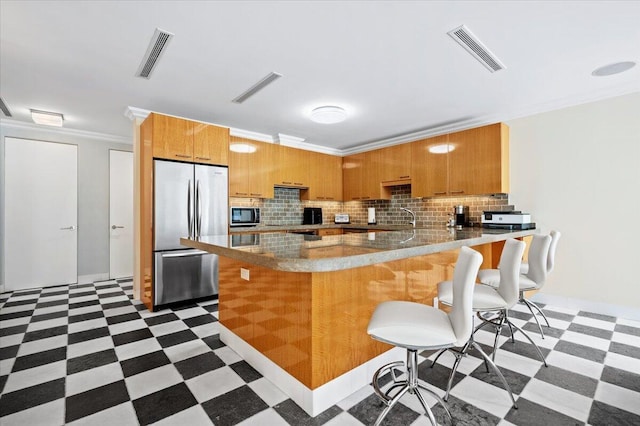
x=120 y=214
x=41 y=214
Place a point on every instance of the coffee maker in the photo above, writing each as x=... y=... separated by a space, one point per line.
x=461 y=214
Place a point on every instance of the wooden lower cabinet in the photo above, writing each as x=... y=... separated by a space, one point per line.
x=314 y=325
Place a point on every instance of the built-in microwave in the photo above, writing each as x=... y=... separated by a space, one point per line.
x=245 y=216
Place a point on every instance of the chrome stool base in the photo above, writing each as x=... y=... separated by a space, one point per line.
x=487 y=362
x=411 y=384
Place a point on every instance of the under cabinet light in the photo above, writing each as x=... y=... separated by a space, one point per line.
x=47 y=118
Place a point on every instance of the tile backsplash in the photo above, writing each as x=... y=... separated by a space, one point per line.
x=286 y=208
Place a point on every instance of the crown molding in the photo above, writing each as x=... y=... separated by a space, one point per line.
x=133 y=112
x=15 y=124
x=470 y=123
x=248 y=134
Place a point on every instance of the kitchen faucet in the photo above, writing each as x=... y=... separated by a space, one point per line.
x=413 y=215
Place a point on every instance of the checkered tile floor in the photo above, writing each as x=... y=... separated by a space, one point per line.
x=88 y=354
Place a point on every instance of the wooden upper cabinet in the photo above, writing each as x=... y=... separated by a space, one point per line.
x=251 y=168
x=172 y=137
x=429 y=169
x=210 y=144
x=293 y=167
x=395 y=163
x=470 y=162
x=324 y=177
x=179 y=139
x=479 y=161
x=361 y=176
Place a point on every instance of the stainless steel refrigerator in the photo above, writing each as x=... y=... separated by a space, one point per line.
x=190 y=200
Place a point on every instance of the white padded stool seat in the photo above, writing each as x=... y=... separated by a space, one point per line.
x=401 y=323
x=491 y=277
x=484 y=298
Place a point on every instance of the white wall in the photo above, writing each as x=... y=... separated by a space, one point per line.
x=93 y=192
x=577 y=170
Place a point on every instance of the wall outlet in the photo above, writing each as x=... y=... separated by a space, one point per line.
x=244 y=274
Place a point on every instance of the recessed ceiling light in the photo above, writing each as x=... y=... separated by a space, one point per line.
x=615 y=68
x=328 y=114
x=47 y=118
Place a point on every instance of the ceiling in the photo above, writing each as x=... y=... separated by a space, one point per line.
x=391 y=65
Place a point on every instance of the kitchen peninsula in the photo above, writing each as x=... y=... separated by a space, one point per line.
x=296 y=307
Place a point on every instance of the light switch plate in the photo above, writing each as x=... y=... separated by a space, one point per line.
x=244 y=274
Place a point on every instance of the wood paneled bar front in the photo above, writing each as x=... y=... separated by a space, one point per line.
x=296 y=307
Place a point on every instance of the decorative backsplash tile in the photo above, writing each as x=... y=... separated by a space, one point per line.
x=286 y=208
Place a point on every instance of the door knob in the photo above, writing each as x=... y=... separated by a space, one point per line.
x=116 y=226
x=68 y=228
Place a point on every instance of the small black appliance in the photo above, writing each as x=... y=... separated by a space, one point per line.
x=312 y=216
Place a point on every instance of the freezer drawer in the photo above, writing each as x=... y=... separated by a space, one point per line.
x=182 y=275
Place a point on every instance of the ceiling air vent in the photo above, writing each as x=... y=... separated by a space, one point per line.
x=270 y=78
x=473 y=45
x=156 y=48
x=5 y=108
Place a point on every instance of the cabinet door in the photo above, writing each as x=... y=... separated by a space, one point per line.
x=477 y=163
x=352 y=176
x=261 y=168
x=395 y=162
x=239 y=165
x=324 y=177
x=172 y=138
x=210 y=144
x=429 y=175
x=294 y=167
x=371 y=167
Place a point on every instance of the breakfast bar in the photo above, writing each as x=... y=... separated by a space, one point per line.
x=296 y=307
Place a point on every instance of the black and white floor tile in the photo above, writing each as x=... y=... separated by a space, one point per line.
x=89 y=354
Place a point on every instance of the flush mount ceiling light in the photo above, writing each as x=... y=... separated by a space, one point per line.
x=328 y=114
x=611 y=69
x=47 y=118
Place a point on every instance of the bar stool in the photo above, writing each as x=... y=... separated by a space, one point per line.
x=489 y=299
x=541 y=262
x=417 y=327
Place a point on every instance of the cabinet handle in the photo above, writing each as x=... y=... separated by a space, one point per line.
x=241 y=193
x=365 y=198
x=298 y=183
x=328 y=198
x=183 y=156
x=405 y=177
x=203 y=158
x=256 y=195
x=457 y=192
x=440 y=193
x=286 y=183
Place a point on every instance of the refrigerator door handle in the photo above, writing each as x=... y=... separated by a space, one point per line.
x=198 y=217
x=189 y=212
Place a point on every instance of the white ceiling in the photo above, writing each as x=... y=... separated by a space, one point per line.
x=390 y=64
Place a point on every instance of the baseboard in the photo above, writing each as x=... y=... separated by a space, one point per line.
x=87 y=279
x=626 y=312
x=317 y=400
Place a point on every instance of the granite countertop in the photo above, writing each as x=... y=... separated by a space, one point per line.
x=281 y=228
x=309 y=253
